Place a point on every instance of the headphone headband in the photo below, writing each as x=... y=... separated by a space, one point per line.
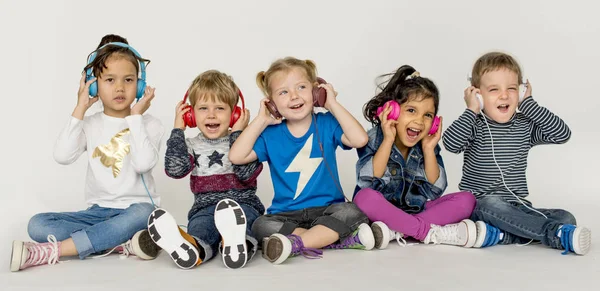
x=121 y=44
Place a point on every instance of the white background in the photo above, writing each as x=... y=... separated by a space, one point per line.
x=45 y=45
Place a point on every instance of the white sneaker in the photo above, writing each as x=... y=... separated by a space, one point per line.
x=383 y=235
x=462 y=234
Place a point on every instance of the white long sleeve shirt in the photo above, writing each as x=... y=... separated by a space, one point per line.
x=120 y=151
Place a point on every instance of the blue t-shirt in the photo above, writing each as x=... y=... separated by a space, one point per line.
x=298 y=171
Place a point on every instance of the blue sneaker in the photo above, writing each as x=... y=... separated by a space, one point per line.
x=487 y=235
x=575 y=239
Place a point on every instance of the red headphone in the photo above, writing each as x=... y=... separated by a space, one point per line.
x=189 y=118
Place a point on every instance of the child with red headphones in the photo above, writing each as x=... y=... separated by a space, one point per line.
x=225 y=201
x=122 y=149
x=400 y=173
x=308 y=210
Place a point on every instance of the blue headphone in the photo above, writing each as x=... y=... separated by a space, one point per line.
x=141 y=83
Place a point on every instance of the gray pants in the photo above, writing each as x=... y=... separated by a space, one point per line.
x=343 y=218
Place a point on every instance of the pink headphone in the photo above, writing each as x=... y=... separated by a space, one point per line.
x=395 y=113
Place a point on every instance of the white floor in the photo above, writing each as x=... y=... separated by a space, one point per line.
x=417 y=267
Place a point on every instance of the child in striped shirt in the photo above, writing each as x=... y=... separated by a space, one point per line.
x=496 y=140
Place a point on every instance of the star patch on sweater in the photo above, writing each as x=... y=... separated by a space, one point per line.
x=215 y=158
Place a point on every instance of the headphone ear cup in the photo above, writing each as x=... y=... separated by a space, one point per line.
x=235 y=115
x=394 y=113
x=141 y=86
x=480 y=99
x=319 y=94
x=93 y=88
x=522 y=89
x=188 y=117
x=434 y=125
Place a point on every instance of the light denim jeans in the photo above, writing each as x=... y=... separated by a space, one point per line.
x=93 y=230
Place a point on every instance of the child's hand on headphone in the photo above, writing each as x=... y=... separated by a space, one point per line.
x=242 y=122
x=430 y=141
x=83 y=95
x=388 y=126
x=331 y=95
x=180 y=109
x=144 y=103
x=527 y=90
x=471 y=99
x=264 y=115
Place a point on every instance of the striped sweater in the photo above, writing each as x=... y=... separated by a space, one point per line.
x=534 y=125
x=213 y=176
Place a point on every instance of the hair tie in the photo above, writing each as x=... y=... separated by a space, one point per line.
x=413 y=75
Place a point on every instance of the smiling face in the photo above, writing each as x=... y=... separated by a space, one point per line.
x=500 y=93
x=212 y=117
x=291 y=91
x=414 y=122
x=117 y=86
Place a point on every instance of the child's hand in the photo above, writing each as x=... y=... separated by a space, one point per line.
x=388 y=126
x=83 y=95
x=430 y=141
x=471 y=99
x=264 y=115
x=144 y=103
x=242 y=122
x=179 y=111
x=331 y=95
x=528 y=90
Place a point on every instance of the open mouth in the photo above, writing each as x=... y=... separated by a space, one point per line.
x=503 y=108
x=212 y=126
x=412 y=133
x=120 y=98
x=297 y=106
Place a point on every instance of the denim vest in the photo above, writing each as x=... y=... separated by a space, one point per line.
x=404 y=183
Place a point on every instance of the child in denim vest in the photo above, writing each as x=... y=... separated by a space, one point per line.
x=496 y=140
x=400 y=173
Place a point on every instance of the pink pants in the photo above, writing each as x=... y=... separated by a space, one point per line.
x=448 y=209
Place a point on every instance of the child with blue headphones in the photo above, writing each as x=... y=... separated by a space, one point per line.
x=225 y=202
x=122 y=145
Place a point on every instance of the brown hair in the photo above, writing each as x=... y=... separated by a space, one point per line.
x=213 y=84
x=493 y=61
x=263 y=78
x=103 y=54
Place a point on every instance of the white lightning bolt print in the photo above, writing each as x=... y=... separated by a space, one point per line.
x=304 y=164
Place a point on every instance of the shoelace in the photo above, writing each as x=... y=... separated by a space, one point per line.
x=447 y=233
x=39 y=253
x=299 y=249
x=127 y=250
x=565 y=238
x=350 y=241
x=398 y=237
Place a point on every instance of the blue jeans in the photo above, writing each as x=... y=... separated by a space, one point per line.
x=93 y=230
x=202 y=227
x=520 y=224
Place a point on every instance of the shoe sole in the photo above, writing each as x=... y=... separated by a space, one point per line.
x=582 y=240
x=164 y=231
x=143 y=245
x=276 y=244
x=365 y=235
x=16 y=256
x=381 y=233
x=481 y=230
x=471 y=233
x=230 y=220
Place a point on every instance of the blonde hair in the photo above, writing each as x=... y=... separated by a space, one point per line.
x=493 y=61
x=213 y=85
x=263 y=78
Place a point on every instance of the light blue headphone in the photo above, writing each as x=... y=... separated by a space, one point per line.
x=141 y=83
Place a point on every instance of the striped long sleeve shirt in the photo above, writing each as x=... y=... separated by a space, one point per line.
x=509 y=143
